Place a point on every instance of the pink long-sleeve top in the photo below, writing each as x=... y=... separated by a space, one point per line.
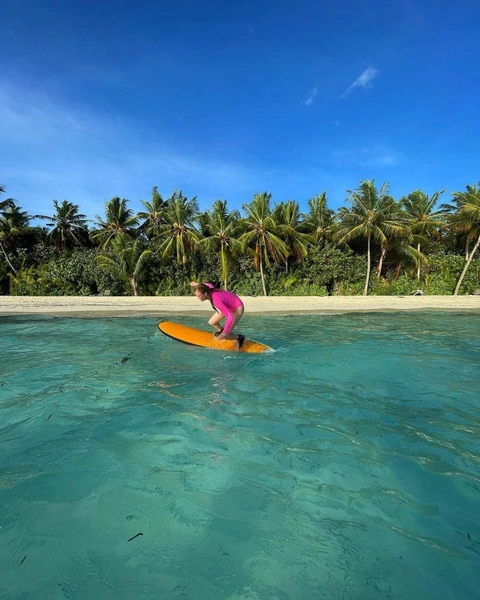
x=225 y=302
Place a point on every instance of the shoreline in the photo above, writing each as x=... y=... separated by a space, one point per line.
x=98 y=306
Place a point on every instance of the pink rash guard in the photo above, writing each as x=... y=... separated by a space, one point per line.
x=226 y=303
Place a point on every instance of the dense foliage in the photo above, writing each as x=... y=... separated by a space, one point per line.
x=373 y=245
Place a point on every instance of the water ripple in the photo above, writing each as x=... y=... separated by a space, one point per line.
x=345 y=464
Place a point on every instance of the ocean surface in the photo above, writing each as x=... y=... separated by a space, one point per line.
x=344 y=465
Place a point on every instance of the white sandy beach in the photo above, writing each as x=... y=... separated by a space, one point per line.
x=165 y=305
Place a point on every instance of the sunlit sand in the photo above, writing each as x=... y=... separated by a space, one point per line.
x=130 y=306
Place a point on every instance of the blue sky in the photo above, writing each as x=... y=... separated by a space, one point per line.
x=227 y=99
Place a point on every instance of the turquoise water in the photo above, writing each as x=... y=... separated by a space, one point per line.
x=344 y=465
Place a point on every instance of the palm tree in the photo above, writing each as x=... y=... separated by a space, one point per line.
x=125 y=261
x=403 y=252
x=458 y=231
x=13 y=223
x=288 y=219
x=262 y=234
x=466 y=219
x=154 y=214
x=373 y=216
x=68 y=225
x=398 y=238
x=118 y=218
x=319 y=218
x=179 y=236
x=422 y=220
x=220 y=227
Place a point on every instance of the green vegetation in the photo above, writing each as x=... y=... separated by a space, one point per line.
x=375 y=245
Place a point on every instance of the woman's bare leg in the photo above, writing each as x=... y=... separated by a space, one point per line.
x=215 y=319
x=237 y=315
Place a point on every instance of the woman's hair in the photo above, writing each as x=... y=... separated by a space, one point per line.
x=205 y=289
x=208 y=287
x=201 y=287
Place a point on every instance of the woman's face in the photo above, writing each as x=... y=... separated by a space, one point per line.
x=200 y=295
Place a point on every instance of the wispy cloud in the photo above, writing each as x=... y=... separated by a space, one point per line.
x=311 y=97
x=377 y=155
x=363 y=81
x=51 y=150
x=56 y=150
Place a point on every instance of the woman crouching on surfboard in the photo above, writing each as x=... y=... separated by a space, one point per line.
x=227 y=305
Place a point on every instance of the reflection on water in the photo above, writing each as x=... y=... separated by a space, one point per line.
x=344 y=465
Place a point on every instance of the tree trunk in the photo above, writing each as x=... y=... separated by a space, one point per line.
x=223 y=262
x=261 y=273
x=467 y=264
x=367 y=279
x=419 y=265
x=380 y=262
x=6 y=257
x=133 y=283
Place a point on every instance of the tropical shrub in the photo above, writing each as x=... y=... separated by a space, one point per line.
x=65 y=274
x=443 y=271
x=331 y=267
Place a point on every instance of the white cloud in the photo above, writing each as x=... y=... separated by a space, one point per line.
x=53 y=151
x=375 y=156
x=362 y=81
x=311 y=97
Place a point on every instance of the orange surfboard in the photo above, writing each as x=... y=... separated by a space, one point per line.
x=205 y=339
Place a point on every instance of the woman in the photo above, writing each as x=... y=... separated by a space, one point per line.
x=227 y=305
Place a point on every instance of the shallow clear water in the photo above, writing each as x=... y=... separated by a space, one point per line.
x=344 y=465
